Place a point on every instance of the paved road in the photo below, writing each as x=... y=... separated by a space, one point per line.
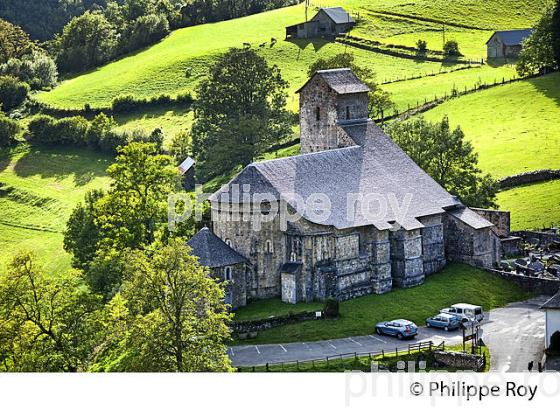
x=514 y=335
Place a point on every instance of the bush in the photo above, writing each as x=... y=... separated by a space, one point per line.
x=8 y=130
x=184 y=98
x=127 y=102
x=555 y=342
x=451 y=49
x=422 y=46
x=12 y=92
x=124 y=103
x=146 y=30
x=331 y=309
x=44 y=129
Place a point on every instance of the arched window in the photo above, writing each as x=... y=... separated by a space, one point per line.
x=293 y=257
x=268 y=246
x=228 y=242
x=318 y=114
x=227 y=273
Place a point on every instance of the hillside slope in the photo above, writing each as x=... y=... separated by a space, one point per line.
x=162 y=67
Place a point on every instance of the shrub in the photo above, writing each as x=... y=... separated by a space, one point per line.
x=422 y=46
x=555 y=342
x=44 y=129
x=124 y=103
x=184 y=98
x=8 y=130
x=451 y=49
x=12 y=92
x=36 y=69
x=331 y=309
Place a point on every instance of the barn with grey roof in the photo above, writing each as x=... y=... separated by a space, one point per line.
x=507 y=44
x=328 y=22
x=351 y=215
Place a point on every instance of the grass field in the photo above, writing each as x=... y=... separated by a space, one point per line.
x=38 y=190
x=164 y=64
x=358 y=316
x=413 y=92
x=532 y=206
x=514 y=128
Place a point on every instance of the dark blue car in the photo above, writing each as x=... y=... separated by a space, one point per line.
x=402 y=329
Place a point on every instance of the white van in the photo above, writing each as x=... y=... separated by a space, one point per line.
x=465 y=312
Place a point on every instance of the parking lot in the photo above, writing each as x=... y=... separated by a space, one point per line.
x=514 y=334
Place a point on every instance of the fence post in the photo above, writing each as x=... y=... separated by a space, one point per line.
x=383 y=353
x=397 y=351
x=267 y=367
x=253 y=369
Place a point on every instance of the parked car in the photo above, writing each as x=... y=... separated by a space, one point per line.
x=444 y=321
x=465 y=312
x=402 y=329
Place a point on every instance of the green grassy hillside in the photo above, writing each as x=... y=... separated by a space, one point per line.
x=161 y=68
x=515 y=128
x=38 y=190
x=532 y=206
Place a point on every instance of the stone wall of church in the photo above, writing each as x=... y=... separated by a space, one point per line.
x=352 y=106
x=265 y=249
x=476 y=247
x=236 y=294
x=406 y=258
x=317 y=117
x=433 y=244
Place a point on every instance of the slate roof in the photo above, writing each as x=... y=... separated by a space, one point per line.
x=212 y=251
x=338 y=15
x=471 y=218
x=552 y=303
x=186 y=165
x=340 y=80
x=512 y=37
x=376 y=167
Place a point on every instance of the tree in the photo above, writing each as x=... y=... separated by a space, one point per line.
x=447 y=158
x=12 y=92
x=379 y=100
x=128 y=216
x=556 y=33
x=36 y=69
x=451 y=49
x=9 y=129
x=537 y=54
x=422 y=46
x=14 y=42
x=168 y=316
x=146 y=30
x=86 y=41
x=239 y=112
x=47 y=322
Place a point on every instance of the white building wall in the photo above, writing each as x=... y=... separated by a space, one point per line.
x=552 y=324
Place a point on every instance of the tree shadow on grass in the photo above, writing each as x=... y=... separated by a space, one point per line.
x=60 y=163
x=149 y=113
x=549 y=86
x=303 y=43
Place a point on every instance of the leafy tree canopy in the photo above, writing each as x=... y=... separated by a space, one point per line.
x=14 y=42
x=449 y=159
x=240 y=111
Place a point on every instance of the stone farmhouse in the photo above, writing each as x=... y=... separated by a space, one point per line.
x=328 y=22
x=387 y=224
x=507 y=44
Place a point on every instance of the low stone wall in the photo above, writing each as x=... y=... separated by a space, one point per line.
x=529 y=178
x=543 y=237
x=251 y=326
x=459 y=360
x=541 y=286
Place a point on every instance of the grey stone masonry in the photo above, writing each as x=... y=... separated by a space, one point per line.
x=406 y=258
x=433 y=245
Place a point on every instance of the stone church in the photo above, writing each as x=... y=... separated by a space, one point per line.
x=388 y=223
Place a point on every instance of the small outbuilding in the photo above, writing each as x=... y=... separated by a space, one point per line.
x=328 y=22
x=507 y=44
x=224 y=262
x=552 y=317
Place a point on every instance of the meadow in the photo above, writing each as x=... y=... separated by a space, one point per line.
x=164 y=65
x=39 y=188
x=515 y=127
x=533 y=206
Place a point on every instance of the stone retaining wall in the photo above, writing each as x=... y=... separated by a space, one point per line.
x=541 y=286
x=544 y=238
x=459 y=360
x=249 y=326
